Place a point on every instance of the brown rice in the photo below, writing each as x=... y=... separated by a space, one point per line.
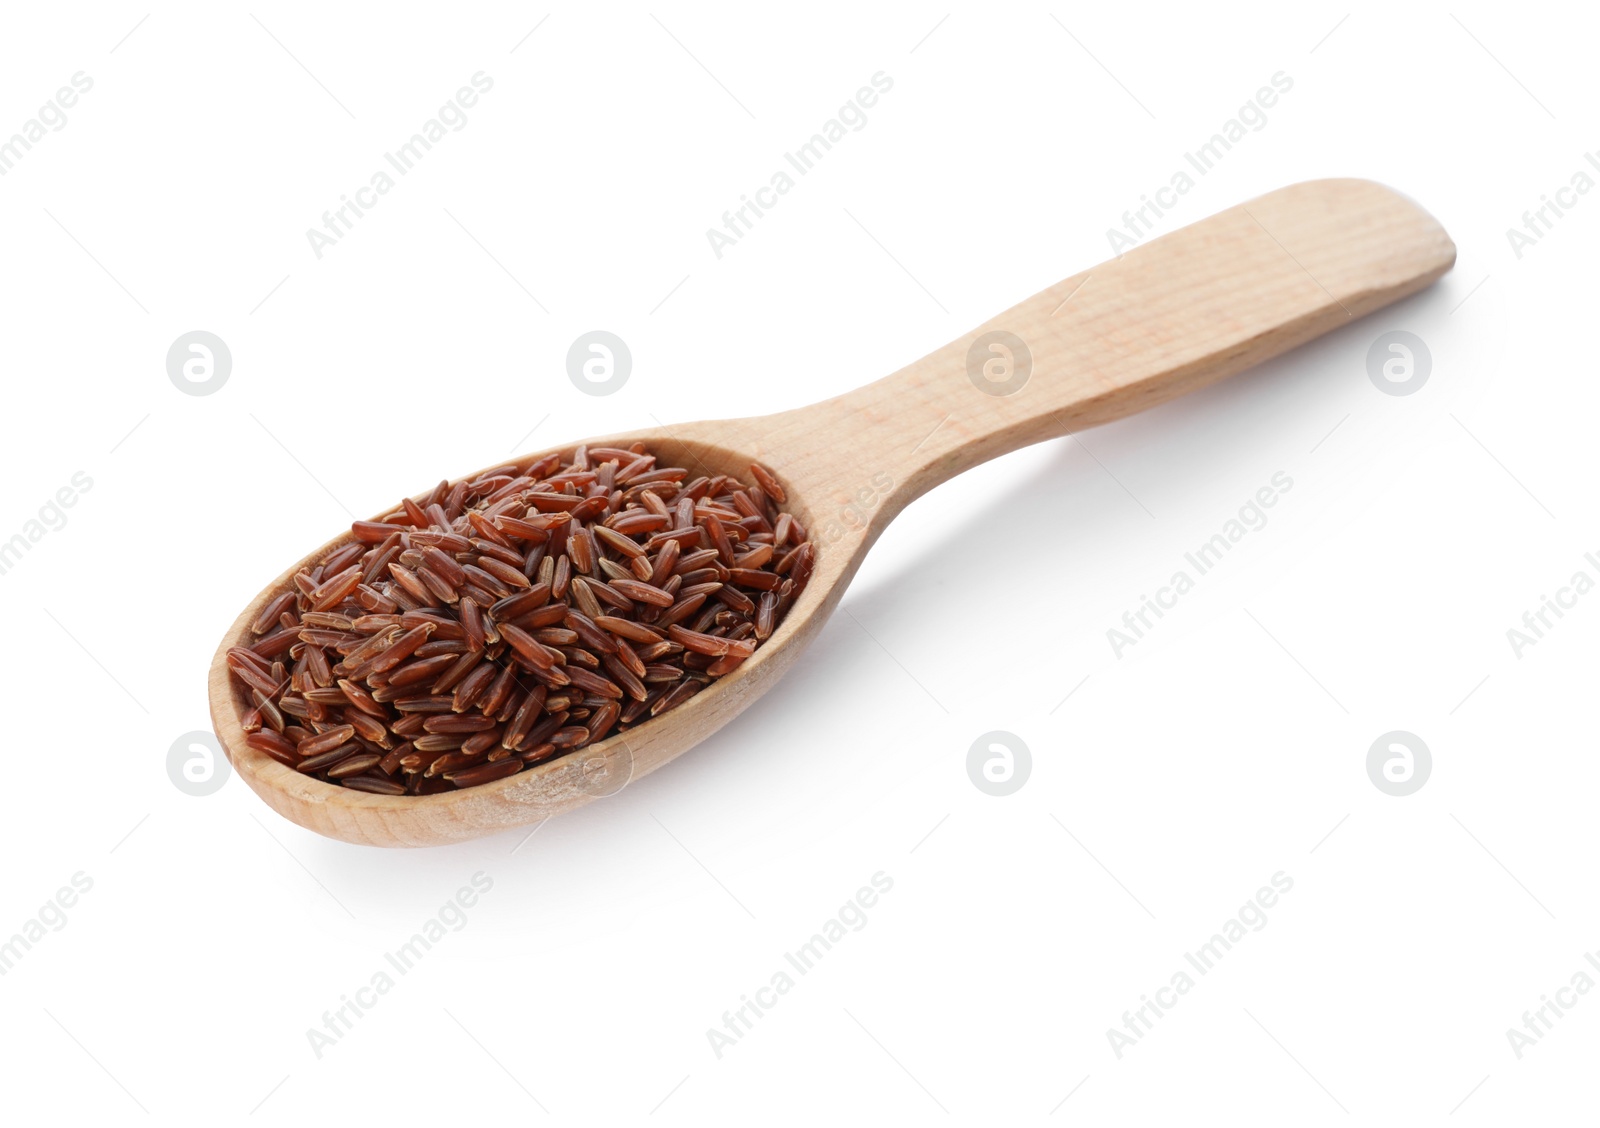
x=516 y=616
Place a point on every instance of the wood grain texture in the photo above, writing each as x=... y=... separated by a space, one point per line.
x=1173 y=315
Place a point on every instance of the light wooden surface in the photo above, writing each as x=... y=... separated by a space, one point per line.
x=1173 y=315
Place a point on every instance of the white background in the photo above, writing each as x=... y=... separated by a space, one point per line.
x=1228 y=745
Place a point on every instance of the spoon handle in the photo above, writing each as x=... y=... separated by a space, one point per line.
x=1164 y=318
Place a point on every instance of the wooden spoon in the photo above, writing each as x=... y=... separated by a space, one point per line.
x=1176 y=314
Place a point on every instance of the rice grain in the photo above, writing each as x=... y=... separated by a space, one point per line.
x=504 y=620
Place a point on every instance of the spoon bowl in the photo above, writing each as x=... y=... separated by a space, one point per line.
x=1173 y=315
x=539 y=791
